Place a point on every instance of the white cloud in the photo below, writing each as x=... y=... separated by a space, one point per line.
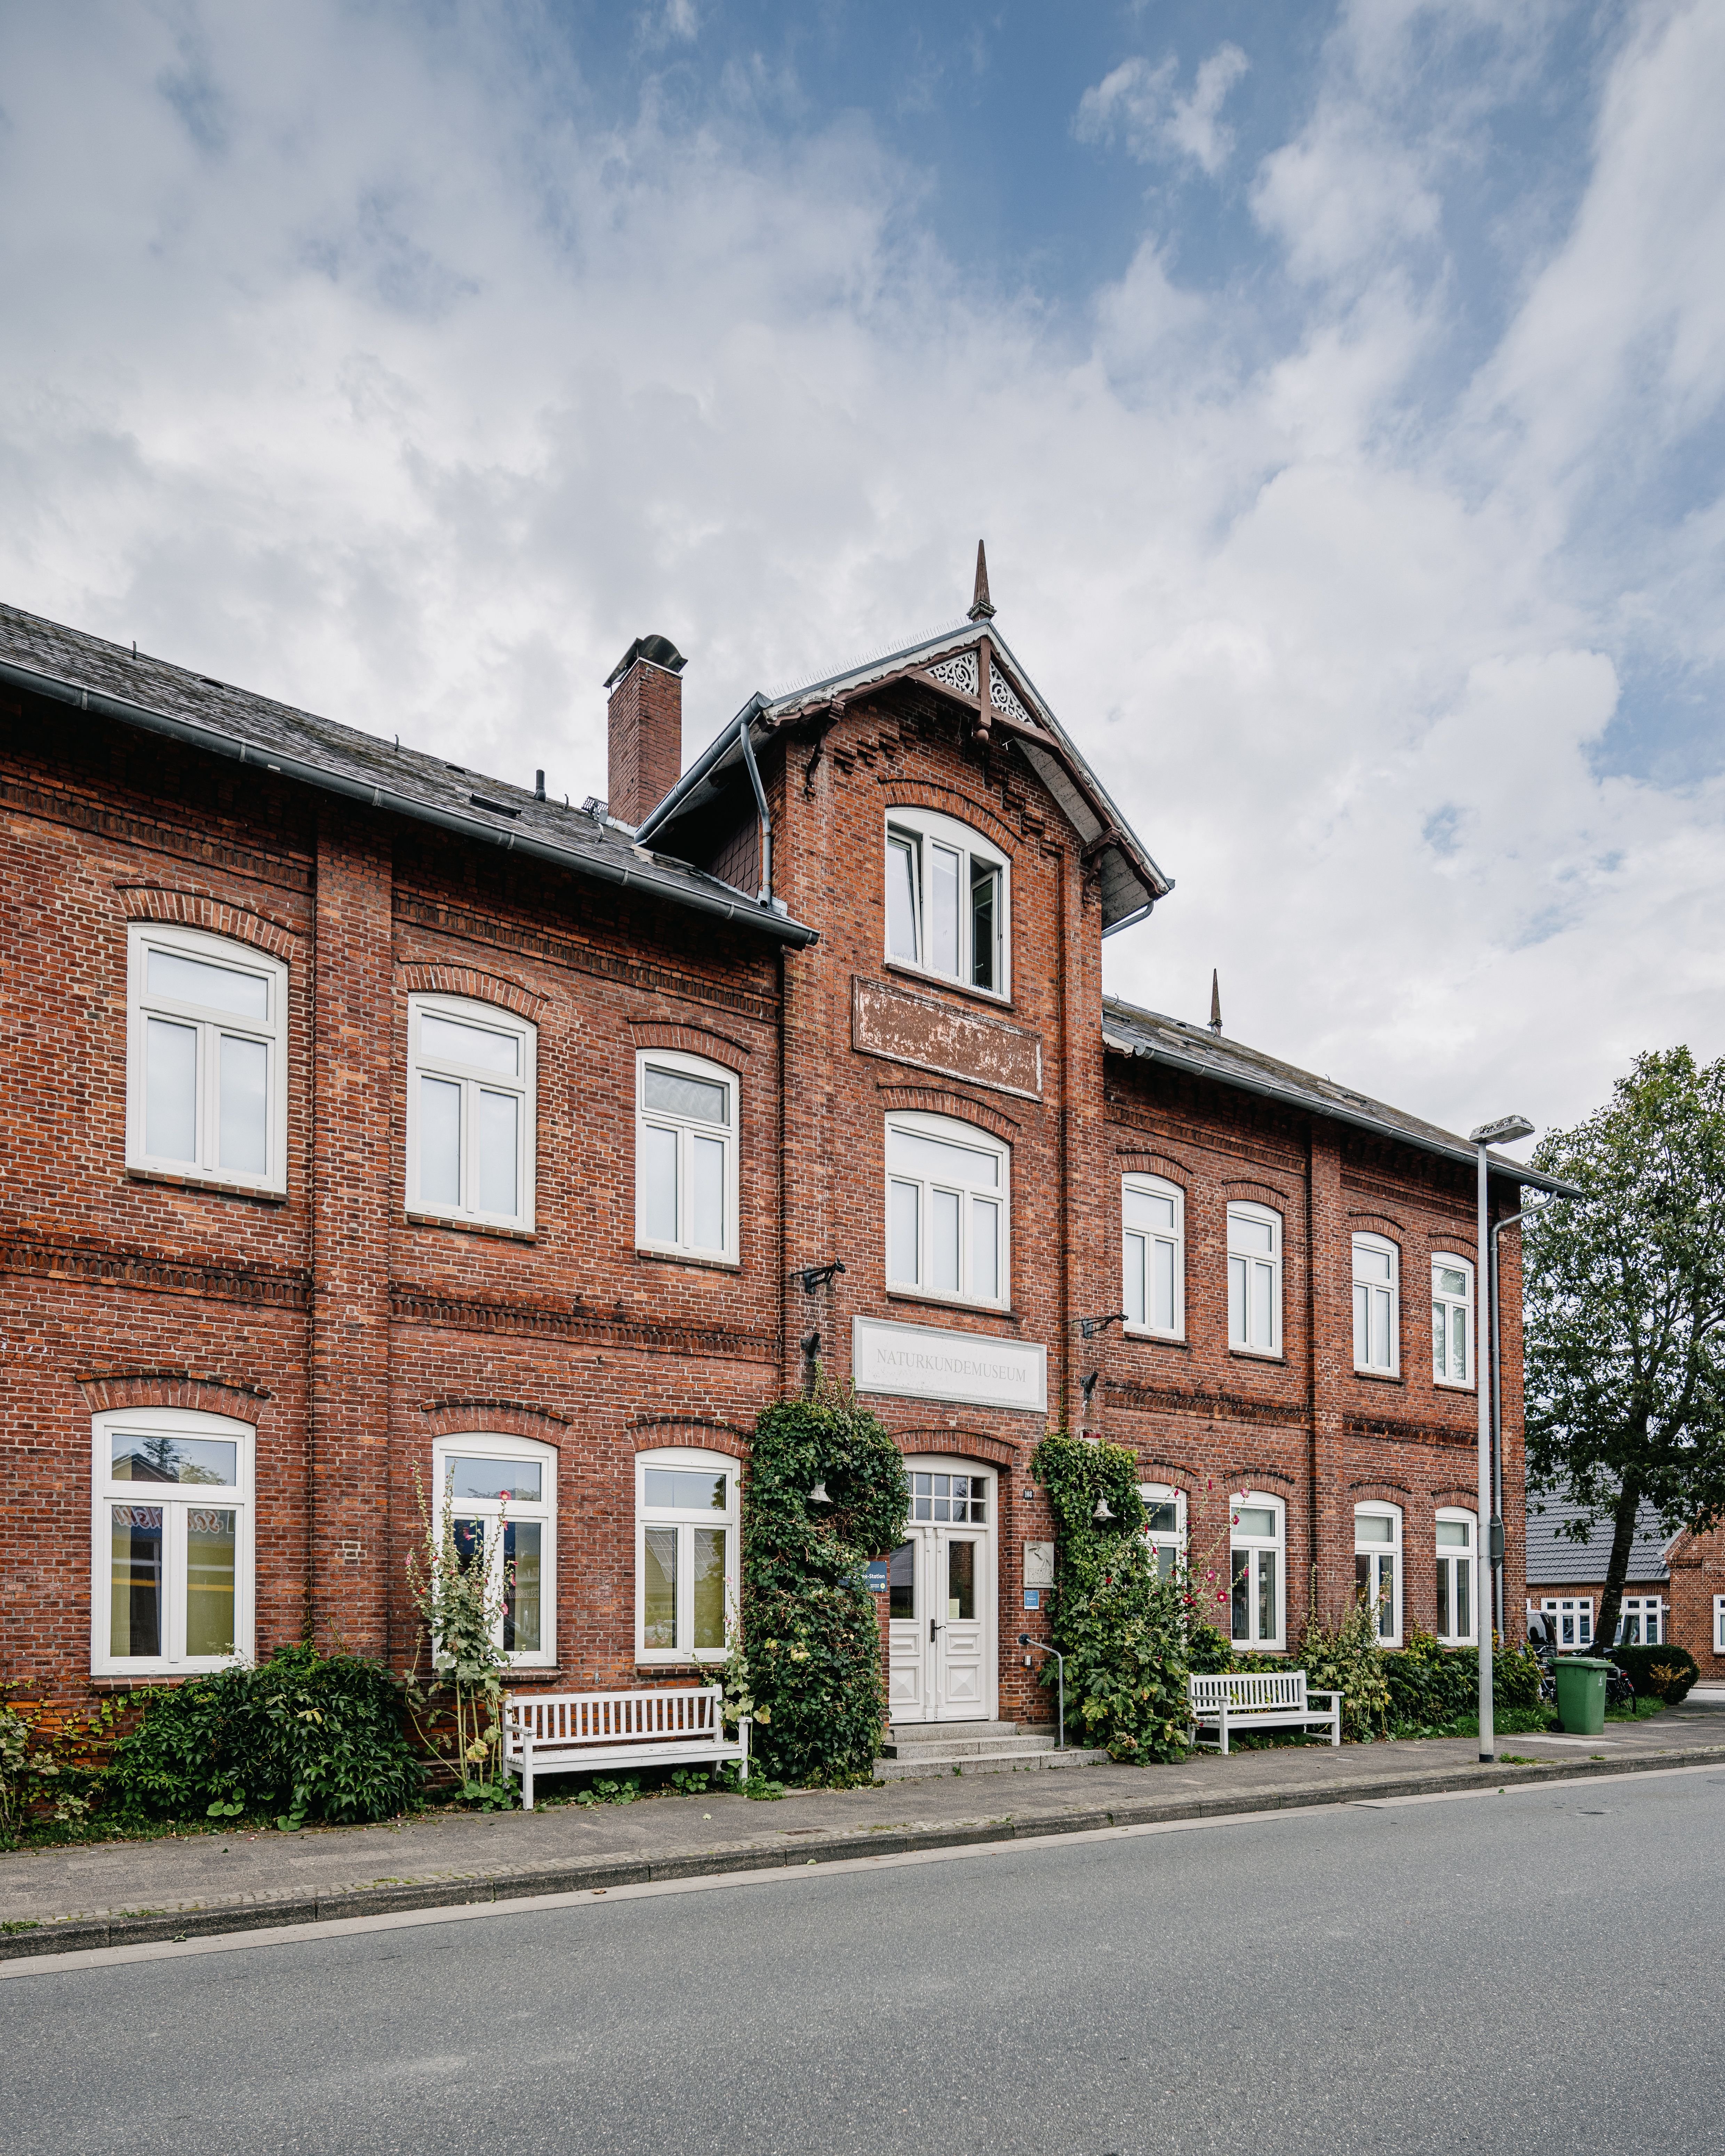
x=346 y=359
x=1139 y=106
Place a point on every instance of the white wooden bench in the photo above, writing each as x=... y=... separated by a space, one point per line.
x=1268 y=1699
x=591 y=1732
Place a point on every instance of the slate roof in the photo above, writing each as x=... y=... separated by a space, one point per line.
x=1554 y=1561
x=91 y=674
x=1201 y=1053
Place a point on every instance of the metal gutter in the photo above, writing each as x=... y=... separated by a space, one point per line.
x=218 y=742
x=1357 y=1119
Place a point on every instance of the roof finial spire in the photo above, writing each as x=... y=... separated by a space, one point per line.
x=1215 y=1004
x=981 y=607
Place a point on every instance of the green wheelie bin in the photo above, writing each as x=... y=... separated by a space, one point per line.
x=1581 y=1694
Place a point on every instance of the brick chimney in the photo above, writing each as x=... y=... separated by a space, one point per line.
x=646 y=714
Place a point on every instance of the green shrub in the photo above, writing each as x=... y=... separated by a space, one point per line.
x=1347 y=1659
x=1664 y=1673
x=304 y=1736
x=812 y=1636
x=1432 y=1687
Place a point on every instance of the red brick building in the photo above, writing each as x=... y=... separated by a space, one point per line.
x=372 y=1125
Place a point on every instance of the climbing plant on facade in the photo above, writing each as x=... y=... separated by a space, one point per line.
x=809 y=1623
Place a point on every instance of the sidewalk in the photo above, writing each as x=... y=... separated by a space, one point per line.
x=120 y=1892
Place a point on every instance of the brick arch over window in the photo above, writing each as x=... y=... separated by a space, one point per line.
x=1185 y=1475
x=1377 y=1223
x=469 y=981
x=1132 y=1160
x=648 y=1433
x=1242 y=1190
x=939 y=1101
x=471 y=1418
x=947 y=801
x=1233 y=1479
x=1376 y=1487
x=1460 y=1495
x=692 y=1040
x=108 y=1389
x=959 y=1444
x=189 y=909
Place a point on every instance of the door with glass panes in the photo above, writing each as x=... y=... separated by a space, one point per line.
x=941 y=1588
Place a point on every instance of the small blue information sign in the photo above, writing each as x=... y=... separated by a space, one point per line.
x=1033 y=1598
x=877 y=1575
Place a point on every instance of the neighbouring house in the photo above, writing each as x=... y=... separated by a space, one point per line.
x=1566 y=1578
x=376 y=1126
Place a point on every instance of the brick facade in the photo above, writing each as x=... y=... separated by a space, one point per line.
x=349 y=1334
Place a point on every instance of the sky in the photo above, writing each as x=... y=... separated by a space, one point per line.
x=1340 y=390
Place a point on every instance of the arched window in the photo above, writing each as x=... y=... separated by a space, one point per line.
x=172 y=1568
x=946 y=902
x=1377 y=1304
x=205 y=1058
x=1377 y=1567
x=1258 y=1526
x=1153 y=1232
x=1452 y=1320
x=685 y=1156
x=1457 y=1550
x=470 y=1111
x=1165 y=1530
x=500 y=1492
x=1254 y=1279
x=685 y=1554
x=947 y=1201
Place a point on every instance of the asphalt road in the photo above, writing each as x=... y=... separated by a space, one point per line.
x=1541 y=1971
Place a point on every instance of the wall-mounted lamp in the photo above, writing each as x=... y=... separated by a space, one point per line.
x=815 y=1277
x=1103 y=1510
x=818 y=1495
x=1087 y=1386
x=1089 y=1326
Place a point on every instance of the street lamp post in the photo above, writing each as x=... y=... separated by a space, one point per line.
x=1504 y=1132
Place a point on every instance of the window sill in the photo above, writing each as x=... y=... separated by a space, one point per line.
x=1145 y=1339
x=1379 y=1377
x=470 y=1227
x=211 y=1186
x=1258 y=1355
x=1451 y=1385
x=955 y=1302
x=688 y=1258
x=986 y=997
x=676 y=1664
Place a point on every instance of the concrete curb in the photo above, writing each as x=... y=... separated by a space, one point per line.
x=149 y=1927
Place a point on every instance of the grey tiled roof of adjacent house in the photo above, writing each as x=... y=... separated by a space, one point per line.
x=1201 y=1053
x=90 y=674
x=1554 y=1561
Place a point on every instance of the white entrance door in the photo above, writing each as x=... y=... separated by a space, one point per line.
x=941 y=1587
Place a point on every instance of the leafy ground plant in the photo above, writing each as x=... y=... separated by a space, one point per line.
x=462 y=1601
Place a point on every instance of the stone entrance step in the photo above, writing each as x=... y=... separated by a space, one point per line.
x=914 y=1750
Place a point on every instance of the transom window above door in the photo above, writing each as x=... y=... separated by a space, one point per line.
x=945 y=1210
x=470 y=1111
x=950 y=1497
x=947 y=900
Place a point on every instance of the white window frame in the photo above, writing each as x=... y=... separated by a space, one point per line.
x=1147 y=1239
x=175 y=1500
x=921 y=830
x=144 y=937
x=1451 y=1261
x=687 y=1128
x=679 y=1456
x=947 y=1130
x=1255 y=1548
x=1646 y=1609
x=1162 y=1540
x=1579 y=1609
x=1375 y=1550
x=1370 y=1296
x=504 y=1445
x=1240 y=1305
x=492 y=1017
x=1719 y=1624
x=1459 y=1559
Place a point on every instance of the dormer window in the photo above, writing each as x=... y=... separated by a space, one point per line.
x=946 y=901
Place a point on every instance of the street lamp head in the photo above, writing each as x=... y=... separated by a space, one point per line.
x=1505 y=1130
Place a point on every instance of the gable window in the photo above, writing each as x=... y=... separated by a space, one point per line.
x=470 y=1111
x=1254 y=1279
x=1165 y=1530
x=1153 y=1286
x=500 y=1492
x=207 y=1037
x=945 y=1210
x=1455 y=1555
x=1451 y=1302
x=1377 y=1567
x=1571 y=1619
x=685 y=1554
x=946 y=901
x=685 y=1156
x=171 y=1567
x=1376 y=1296
x=1256 y=1556
x=1640 y=1623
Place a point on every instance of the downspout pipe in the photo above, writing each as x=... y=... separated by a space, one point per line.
x=1509 y=1219
x=748 y=757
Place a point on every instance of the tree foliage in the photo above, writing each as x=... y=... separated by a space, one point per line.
x=1624 y=1300
x=812 y=1635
